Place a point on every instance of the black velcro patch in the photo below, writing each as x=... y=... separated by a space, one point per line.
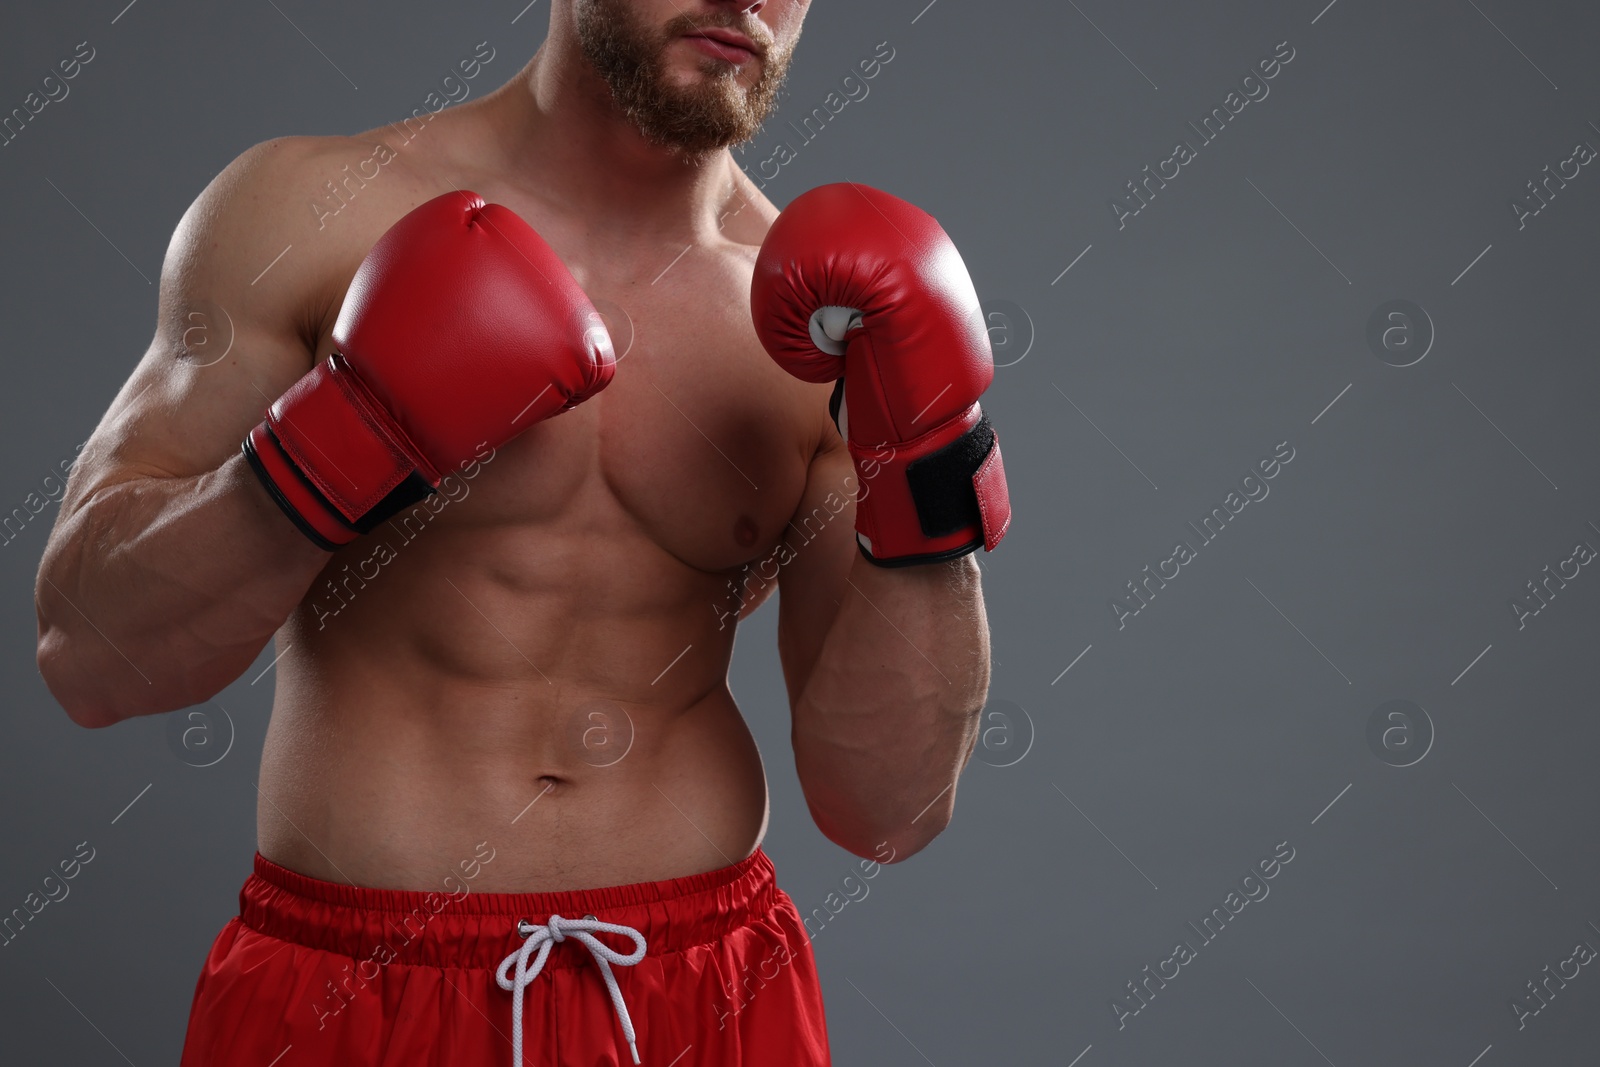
x=941 y=482
x=412 y=489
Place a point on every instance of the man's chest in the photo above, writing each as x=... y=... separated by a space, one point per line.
x=700 y=438
x=700 y=443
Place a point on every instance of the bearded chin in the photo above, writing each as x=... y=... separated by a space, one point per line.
x=695 y=120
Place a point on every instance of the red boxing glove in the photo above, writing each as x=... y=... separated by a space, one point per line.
x=856 y=285
x=461 y=329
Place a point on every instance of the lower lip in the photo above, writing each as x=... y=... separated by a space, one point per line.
x=718 y=50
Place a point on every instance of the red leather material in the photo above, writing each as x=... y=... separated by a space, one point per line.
x=461 y=328
x=994 y=502
x=915 y=366
x=291 y=488
x=466 y=326
x=926 y=354
x=886 y=514
x=339 y=440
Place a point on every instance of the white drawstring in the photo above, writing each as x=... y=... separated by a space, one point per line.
x=542 y=938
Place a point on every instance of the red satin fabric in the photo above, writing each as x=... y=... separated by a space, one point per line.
x=320 y=973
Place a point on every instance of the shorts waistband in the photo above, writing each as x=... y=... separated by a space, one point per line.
x=466 y=928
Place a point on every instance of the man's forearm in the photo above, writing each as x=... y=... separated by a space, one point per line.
x=157 y=592
x=889 y=714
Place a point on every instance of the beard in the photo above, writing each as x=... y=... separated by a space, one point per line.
x=695 y=119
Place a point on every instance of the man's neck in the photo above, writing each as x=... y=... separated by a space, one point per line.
x=565 y=135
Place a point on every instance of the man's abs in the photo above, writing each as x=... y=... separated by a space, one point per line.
x=553 y=685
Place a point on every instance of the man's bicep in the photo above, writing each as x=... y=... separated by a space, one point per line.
x=228 y=336
x=821 y=549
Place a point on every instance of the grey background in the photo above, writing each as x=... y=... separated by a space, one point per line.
x=1176 y=752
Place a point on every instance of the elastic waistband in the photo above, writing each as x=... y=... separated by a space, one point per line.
x=472 y=929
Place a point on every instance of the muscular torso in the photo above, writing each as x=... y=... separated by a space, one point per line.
x=537 y=657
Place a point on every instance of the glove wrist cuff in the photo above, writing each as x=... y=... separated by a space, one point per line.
x=332 y=459
x=937 y=497
x=295 y=496
x=341 y=440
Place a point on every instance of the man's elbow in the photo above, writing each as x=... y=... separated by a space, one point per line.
x=885 y=840
x=95 y=703
x=83 y=706
x=91 y=716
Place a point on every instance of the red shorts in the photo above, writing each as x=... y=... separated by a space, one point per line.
x=313 y=972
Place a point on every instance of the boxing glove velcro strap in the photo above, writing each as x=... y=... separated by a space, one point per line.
x=941 y=481
x=341 y=440
x=305 y=505
x=936 y=498
x=994 y=498
x=295 y=496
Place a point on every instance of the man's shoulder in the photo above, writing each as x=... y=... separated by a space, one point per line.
x=288 y=169
x=303 y=206
x=302 y=181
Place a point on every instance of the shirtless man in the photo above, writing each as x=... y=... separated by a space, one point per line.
x=511 y=694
